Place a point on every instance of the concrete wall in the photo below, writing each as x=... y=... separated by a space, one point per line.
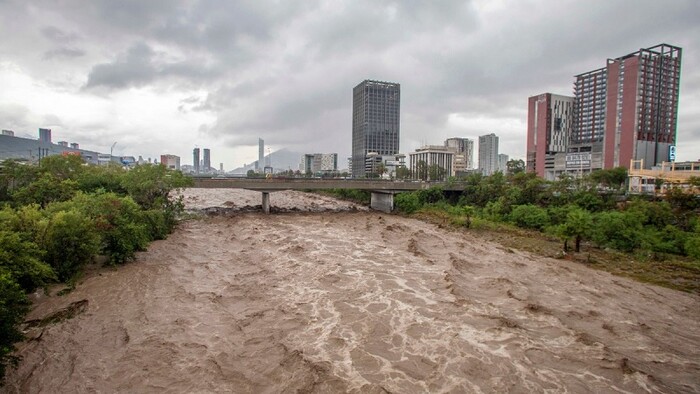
x=382 y=201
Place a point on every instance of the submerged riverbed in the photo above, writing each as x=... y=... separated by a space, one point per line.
x=336 y=299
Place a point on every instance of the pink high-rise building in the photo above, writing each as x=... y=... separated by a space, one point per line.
x=549 y=125
x=624 y=111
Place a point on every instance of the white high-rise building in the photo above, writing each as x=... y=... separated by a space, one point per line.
x=503 y=162
x=488 y=154
x=424 y=160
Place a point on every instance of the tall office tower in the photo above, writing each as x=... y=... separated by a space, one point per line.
x=45 y=135
x=627 y=110
x=375 y=122
x=549 y=126
x=207 y=160
x=464 y=153
x=195 y=160
x=261 y=155
x=488 y=154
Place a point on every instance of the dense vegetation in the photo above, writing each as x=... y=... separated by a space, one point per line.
x=591 y=213
x=55 y=217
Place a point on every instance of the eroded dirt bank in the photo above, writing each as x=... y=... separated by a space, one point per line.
x=357 y=301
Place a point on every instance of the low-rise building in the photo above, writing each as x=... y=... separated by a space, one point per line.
x=432 y=163
x=170 y=161
x=319 y=163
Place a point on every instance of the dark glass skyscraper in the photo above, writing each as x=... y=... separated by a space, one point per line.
x=206 y=160
x=195 y=160
x=375 y=121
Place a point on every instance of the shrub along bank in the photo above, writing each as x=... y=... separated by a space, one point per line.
x=55 y=217
x=659 y=240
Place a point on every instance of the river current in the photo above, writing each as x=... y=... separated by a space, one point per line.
x=335 y=298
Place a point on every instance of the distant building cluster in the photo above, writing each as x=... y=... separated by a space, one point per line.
x=33 y=150
x=622 y=113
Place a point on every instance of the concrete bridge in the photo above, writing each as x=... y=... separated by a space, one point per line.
x=382 y=191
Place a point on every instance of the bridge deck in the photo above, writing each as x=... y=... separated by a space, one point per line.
x=276 y=184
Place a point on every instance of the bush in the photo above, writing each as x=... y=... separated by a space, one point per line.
x=359 y=196
x=150 y=185
x=70 y=242
x=20 y=259
x=666 y=240
x=407 y=202
x=27 y=221
x=102 y=178
x=431 y=195
x=658 y=214
x=529 y=216
x=495 y=211
x=618 y=230
x=692 y=246
x=119 y=221
x=14 y=305
x=45 y=190
x=158 y=225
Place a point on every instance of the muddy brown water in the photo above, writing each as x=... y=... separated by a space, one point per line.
x=355 y=302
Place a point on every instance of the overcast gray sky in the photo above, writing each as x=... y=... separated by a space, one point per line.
x=164 y=76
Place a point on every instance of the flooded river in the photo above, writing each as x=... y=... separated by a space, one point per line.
x=334 y=299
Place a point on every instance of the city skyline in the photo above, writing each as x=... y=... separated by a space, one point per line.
x=251 y=71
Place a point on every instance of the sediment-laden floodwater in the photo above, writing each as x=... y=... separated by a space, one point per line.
x=355 y=301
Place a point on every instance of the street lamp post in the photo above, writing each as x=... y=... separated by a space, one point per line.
x=111 y=150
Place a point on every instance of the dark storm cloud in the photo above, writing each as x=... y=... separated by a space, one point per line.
x=55 y=34
x=140 y=65
x=131 y=69
x=64 y=52
x=285 y=70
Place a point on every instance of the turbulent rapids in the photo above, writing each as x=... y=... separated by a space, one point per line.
x=335 y=298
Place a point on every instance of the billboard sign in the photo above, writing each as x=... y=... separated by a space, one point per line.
x=578 y=160
x=672 y=153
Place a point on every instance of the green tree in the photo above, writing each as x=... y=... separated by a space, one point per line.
x=105 y=178
x=430 y=195
x=578 y=225
x=62 y=167
x=613 y=178
x=618 y=230
x=120 y=222
x=421 y=170
x=402 y=173
x=515 y=166
x=436 y=173
x=529 y=216
x=150 y=185
x=407 y=202
x=46 y=189
x=22 y=261
x=14 y=305
x=15 y=174
x=380 y=170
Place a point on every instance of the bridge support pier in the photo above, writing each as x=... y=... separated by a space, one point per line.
x=266 y=202
x=382 y=201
